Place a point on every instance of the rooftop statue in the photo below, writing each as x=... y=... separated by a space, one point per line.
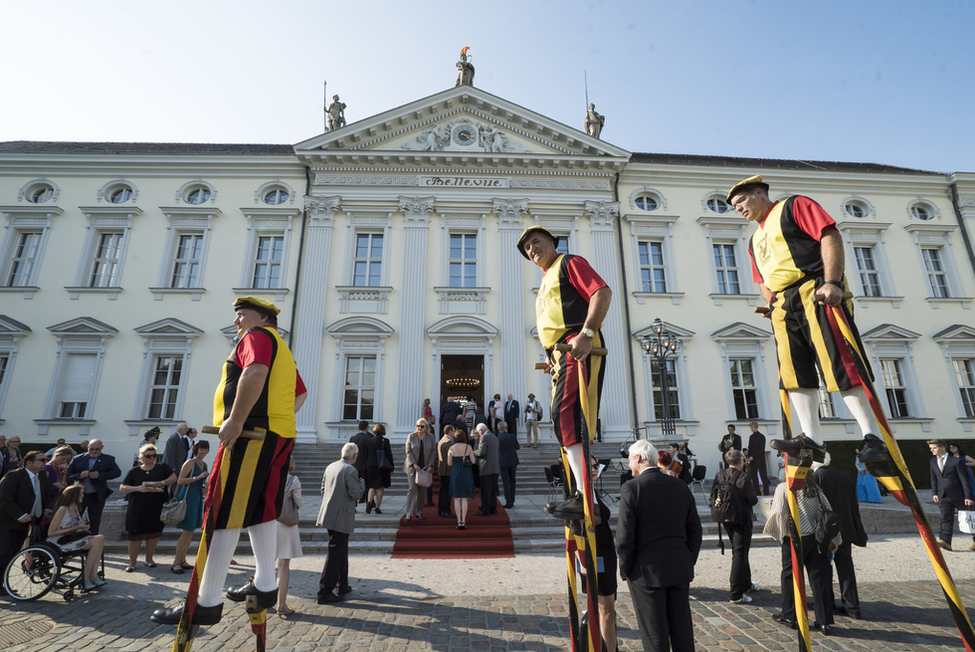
x=336 y=114
x=465 y=76
x=594 y=122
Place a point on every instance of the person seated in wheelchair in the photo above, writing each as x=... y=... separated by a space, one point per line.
x=69 y=531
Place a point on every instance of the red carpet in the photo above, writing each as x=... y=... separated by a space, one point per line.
x=438 y=538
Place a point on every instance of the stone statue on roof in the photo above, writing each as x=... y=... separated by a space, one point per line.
x=336 y=114
x=465 y=76
x=594 y=122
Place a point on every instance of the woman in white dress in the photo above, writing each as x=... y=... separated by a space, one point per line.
x=289 y=544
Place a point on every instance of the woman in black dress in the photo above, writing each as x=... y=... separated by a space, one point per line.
x=377 y=479
x=145 y=486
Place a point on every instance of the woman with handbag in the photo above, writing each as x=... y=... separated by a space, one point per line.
x=461 y=476
x=145 y=486
x=289 y=540
x=379 y=466
x=69 y=531
x=192 y=482
x=418 y=467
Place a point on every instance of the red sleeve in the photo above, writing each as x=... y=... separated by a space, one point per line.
x=811 y=217
x=255 y=346
x=755 y=275
x=583 y=277
x=299 y=385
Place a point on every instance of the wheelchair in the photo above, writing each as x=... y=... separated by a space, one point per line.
x=42 y=567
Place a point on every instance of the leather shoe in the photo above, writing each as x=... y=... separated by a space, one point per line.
x=482 y=514
x=265 y=599
x=370 y=506
x=825 y=629
x=849 y=613
x=508 y=506
x=570 y=509
x=944 y=544
x=873 y=450
x=328 y=598
x=344 y=590
x=201 y=615
x=794 y=445
x=782 y=620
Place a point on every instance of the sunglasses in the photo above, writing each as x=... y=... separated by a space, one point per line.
x=146 y=457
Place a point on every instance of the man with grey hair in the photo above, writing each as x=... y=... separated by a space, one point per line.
x=658 y=538
x=341 y=489
x=489 y=465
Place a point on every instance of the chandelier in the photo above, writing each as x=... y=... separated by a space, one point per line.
x=463 y=382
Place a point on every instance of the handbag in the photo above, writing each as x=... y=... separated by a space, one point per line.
x=966 y=521
x=289 y=510
x=467 y=459
x=827 y=524
x=383 y=462
x=174 y=511
x=423 y=478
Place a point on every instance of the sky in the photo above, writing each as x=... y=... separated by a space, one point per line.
x=879 y=81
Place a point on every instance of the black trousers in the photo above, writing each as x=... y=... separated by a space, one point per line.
x=740 y=537
x=756 y=471
x=663 y=615
x=443 y=496
x=817 y=569
x=843 y=560
x=94 y=506
x=508 y=483
x=336 y=571
x=947 y=507
x=489 y=493
x=11 y=540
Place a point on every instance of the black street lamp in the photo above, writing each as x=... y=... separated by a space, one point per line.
x=660 y=345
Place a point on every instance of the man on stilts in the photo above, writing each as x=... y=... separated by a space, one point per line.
x=260 y=390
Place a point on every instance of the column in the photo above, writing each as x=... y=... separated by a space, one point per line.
x=310 y=322
x=512 y=326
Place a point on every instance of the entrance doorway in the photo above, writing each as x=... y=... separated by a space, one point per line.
x=462 y=376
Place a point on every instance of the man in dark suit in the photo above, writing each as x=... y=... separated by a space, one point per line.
x=179 y=448
x=512 y=410
x=489 y=466
x=508 y=448
x=359 y=439
x=23 y=494
x=729 y=442
x=93 y=470
x=842 y=496
x=757 y=467
x=658 y=538
x=449 y=412
x=949 y=484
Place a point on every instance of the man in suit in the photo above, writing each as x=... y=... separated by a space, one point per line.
x=489 y=466
x=449 y=412
x=842 y=496
x=508 y=448
x=731 y=441
x=512 y=410
x=443 y=498
x=23 y=494
x=757 y=468
x=658 y=538
x=341 y=489
x=93 y=470
x=949 y=484
x=359 y=439
x=179 y=448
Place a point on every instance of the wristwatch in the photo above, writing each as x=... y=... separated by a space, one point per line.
x=588 y=332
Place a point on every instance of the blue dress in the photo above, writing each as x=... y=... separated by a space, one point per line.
x=461 y=479
x=868 y=491
x=194 y=500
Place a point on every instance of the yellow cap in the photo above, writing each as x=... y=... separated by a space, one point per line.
x=746 y=185
x=258 y=304
x=533 y=229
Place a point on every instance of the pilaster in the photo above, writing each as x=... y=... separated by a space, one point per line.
x=513 y=369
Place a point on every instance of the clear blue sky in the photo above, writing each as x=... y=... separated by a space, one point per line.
x=883 y=81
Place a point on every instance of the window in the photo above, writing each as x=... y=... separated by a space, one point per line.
x=653 y=274
x=922 y=212
x=103 y=252
x=673 y=390
x=965 y=378
x=186 y=264
x=39 y=193
x=120 y=195
x=743 y=388
x=276 y=196
x=167 y=347
x=463 y=260
x=197 y=196
x=75 y=389
x=164 y=390
x=896 y=390
x=646 y=202
x=267 y=266
x=25 y=258
x=368 y=263
x=11 y=332
x=717 y=205
x=726 y=269
x=107 y=260
x=867 y=268
x=360 y=388
x=937 y=278
x=562 y=245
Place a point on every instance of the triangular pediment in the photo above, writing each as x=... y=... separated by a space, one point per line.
x=462 y=122
x=955 y=333
x=169 y=327
x=889 y=332
x=83 y=326
x=741 y=331
x=10 y=326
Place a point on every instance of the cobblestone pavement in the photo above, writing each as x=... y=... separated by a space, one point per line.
x=492 y=604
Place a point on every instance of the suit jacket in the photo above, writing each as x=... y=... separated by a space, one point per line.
x=176 y=452
x=952 y=481
x=842 y=496
x=512 y=410
x=508 y=448
x=685 y=471
x=449 y=412
x=106 y=468
x=725 y=445
x=414 y=445
x=445 y=443
x=341 y=491
x=359 y=439
x=658 y=534
x=17 y=496
x=756 y=450
x=487 y=454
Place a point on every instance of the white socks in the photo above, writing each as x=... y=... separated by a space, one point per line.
x=220 y=553
x=574 y=456
x=805 y=402
x=264 y=543
x=859 y=406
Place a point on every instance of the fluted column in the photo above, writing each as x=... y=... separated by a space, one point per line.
x=615 y=406
x=409 y=388
x=310 y=322
x=512 y=298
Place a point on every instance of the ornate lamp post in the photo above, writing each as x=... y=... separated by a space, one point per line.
x=660 y=345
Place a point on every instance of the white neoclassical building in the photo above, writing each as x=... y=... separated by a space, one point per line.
x=389 y=244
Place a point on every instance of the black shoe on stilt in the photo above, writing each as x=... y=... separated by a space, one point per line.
x=201 y=615
x=794 y=445
x=265 y=599
x=570 y=509
x=873 y=450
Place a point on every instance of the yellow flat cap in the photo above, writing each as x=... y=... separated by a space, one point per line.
x=258 y=304
x=746 y=185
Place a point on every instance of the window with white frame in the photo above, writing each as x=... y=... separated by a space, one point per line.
x=359 y=396
x=24 y=241
x=869 y=273
x=743 y=387
x=25 y=259
x=895 y=388
x=164 y=389
x=717 y=204
x=562 y=245
x=165 y=368
x=935 y=271
x=463 y=260
x=183 y=264
x=367 y=266
x=964 y=369
x=268 y=262
x=726 y=268
x=11 y=331
x=103 y=252
x=187 y=261
x=653 y=271
x=646 y=201
x=673 y=389
x=937 y=262
x=107 y=261
x=39 y=191
x=74 y=390
x=867 y=269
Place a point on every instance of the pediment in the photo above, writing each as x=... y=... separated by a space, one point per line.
x=463 y=122
x=10 y=326
x=462 y=326
x=676 y=331
x=741 y=331
x=360 y=326
x=169 y=327
x=890 y=333
x=955 y=333
x=83 y=326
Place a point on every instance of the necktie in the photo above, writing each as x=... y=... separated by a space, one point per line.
x=36 y=509
x=941 y=462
